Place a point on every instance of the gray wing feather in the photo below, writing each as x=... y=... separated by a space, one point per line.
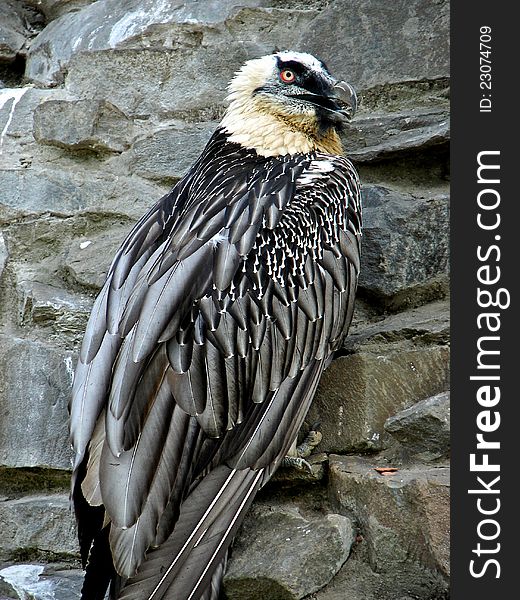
x=90 y=390
x=96 y=327
x=212 y=362
x=227 y=260
x=126 y=478
x=129 y=544
x=186 y=280
x=207 y=522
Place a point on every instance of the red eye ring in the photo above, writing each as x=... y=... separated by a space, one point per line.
x=287 y=76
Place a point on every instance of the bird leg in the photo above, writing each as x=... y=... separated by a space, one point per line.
x=296 y=456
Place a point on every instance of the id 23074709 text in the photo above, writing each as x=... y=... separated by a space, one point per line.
x=485 y=69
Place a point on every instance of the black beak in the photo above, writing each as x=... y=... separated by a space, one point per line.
x=346 y=99
x=337 y=105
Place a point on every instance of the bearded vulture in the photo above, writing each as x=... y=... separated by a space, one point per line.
x=205 y=346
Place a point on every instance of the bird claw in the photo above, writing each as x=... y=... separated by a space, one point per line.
x=310 y=442
x=296 y=462
x=303 y=451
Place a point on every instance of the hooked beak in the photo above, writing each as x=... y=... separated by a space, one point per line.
x=346 y=98
x=340 y=103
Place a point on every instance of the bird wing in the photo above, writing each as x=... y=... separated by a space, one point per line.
x=201 y=357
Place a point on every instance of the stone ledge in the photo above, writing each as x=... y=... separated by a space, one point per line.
x=403 y=515
x=358 y=392
x=95 y=125
x=42 y=524
x=35 y=385
x=424 y=428
x=282 y=554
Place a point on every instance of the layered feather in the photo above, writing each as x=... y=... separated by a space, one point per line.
x=201 y=357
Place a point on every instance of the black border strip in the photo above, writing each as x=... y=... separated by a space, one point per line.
x=473 y=132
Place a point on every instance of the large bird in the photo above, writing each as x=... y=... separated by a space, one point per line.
x=205 y=346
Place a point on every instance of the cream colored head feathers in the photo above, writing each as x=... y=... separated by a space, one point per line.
x=285 y=103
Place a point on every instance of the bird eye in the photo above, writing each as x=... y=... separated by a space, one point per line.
x=287 y=76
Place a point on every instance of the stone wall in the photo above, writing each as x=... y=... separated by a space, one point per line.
x=103 y=106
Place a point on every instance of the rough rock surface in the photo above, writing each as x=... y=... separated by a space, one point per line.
x=424 y=428
x=42 y=524
x=4 y=254
x=82 y=125
x=43 y=304
x=166 y=154
x=383 y=134
x=35 y=381
x=406 y=241
x=19 y=22
x=171 y=25
x=358 y=392
x=402 y=514
x=87 y=259
x=53 y=9
x=366 y=40
x=424 y=325
x=307 y=551
x=103 y=106
x=357 y=581
x=12 y=32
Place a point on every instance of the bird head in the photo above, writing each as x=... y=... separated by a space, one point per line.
x=288 y=102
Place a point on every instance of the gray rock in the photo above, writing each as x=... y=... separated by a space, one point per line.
x=41 y=522
x=357 y=581
x=188 y=77
x=34 y=191
x=282 y=554
x=4 y=253
x=427 y=324
x=35 y=246
x=424 y=428
x=158 y=82
x=66 y=191
x=52 y=9
x=379 y=135
x=13 y=31
x=405 y=247
x=358 y=392
x=87 y=261
x=83 y=125
x=17 y=106
x=375 y=43
x=35 y=385
x=422 y=99
x=43 y=304
x=20 y=114
x=167 y=154
x=175 y=26
x=403 y=516
x=10 y=99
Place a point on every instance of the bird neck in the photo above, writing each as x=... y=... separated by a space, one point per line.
x=277 y=134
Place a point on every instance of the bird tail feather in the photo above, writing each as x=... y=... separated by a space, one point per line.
x=183 y=567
